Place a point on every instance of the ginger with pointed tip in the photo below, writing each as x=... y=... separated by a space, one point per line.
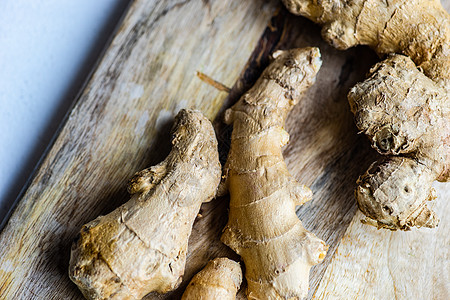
x=263 y=228
x=403 y=107
x=220 y=279
x=141 y=246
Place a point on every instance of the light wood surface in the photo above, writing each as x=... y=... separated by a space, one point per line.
x=120 y=124
x=380 y=264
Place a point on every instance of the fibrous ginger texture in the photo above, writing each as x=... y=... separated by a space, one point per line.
x=419 y=29
x=263 y=228
x=141 y=246
x=220 y=279
x=403 y=106
x=413 y=122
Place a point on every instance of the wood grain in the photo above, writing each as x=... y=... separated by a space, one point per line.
x=120 y=124
x=380 y=264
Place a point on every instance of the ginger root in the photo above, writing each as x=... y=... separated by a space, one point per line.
x=220 y=279
x=263 y=228
x=141 y=246
x=403 y=107
x=413 y=121
x=419 y=29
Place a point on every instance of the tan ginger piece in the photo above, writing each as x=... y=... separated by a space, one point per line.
x=413 y=122
x=402 y=110
x=220 y=279
x=419 y=29
x=263 y=228
x=141 y=246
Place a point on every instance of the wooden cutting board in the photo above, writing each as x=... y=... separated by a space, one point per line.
x=120 y=124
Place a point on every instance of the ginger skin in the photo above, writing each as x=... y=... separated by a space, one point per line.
x=141 y=246
x=419 y=29
x=220 y=279
x=263 y=228
x=413 y=124
x=403 y=111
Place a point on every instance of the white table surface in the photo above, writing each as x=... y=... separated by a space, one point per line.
x=47 y=49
